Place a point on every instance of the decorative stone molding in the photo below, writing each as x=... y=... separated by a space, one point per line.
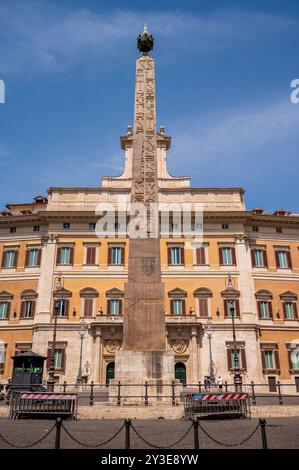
x=179 y=346
x=203 y=293
x=112 y=345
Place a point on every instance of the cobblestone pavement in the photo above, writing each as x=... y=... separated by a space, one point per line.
x=281 y=433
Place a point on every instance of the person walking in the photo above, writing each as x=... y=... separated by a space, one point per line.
x=220 y=383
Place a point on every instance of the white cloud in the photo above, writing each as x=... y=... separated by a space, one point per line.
x=44 y=36
x=231 y=136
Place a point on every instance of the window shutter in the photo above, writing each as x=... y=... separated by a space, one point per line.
x=23 y=309
x=225 y=308
x=289 y=259
x=295 y=310
x=263 y=359
x=39 y=256
x=33 y=308
x=122 y=251
x=90 y=255
x=265 y=258
x=182 y=249
x=8 y=309
x=220 y=256
x=259 y=309
x=229 y=359
x=243 y=358
x=63 y=360
x=270 y=309
x=290 y=360
x=203 y=307
x=67 y=304
x=277 y=259
x=253 y=259
x=183 y=306
x=171 y=307
x=169 y=255
x=237 y=308
x=109 y=255
x=4 y=259
x=27 y=258
x=276 y=355
x=16 y=257
x=234 y=261
x=200 y=255
x=88 y=304
x=284 y=310
x=120 y=307
x=58 y=256
x=72 y=255
x=108 y=307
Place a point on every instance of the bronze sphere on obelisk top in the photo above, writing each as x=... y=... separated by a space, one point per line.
x=145 y=41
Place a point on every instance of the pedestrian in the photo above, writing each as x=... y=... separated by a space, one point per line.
x=206 y=383
x=220 y=383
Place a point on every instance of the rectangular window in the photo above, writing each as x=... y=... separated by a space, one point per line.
x=238 y=358
x=116 y=255
x=227 y=255
x=33 y=257
x=9 y=259
x=62 y=310
x=225 y=226
x=66 y=226
x=114 y=307
x=92 y=226
x=259 y=258
x=255 y=229
x=88 y=307
x=58 y=358
x=231 y=306
x=65 y=255
x=3 y=310
x=27 y=309
x=264 y=310
x=177 y=306
x=91 y=255
x=294 y=358
x=176 y=255
x=289 y=311
x=203 y=307
x=269 y=360
x=200 y=256
x=12 y=229
x=36 y=228
x=283 y=259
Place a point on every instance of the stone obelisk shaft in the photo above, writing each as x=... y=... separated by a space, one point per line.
x=144 y=321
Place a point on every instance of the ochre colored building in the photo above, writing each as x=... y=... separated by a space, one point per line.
x=57 y=237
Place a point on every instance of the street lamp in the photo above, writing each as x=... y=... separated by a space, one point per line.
x=82 y=332
x=208 y=330
x=51 y=379
x=237 y=373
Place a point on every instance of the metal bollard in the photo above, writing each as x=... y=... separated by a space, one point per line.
x=225 y=385
x=199 y=387
x=64 y=386
x=91 y=393
x=146 y=394
x=195 y=425
x=118 y=394
x=263 y=433
x=173 y=397
x=127 y=435
x=253 y=393
x=279 y=393
x=58 y=432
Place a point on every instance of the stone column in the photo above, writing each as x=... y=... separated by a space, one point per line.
x=194 y=356
x=97 y=358
x=246 y=283
x=46 y=280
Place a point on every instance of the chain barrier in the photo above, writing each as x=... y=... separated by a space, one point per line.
x=161 y=447
x=26 y=446
x=92 y=446
x=226 y=444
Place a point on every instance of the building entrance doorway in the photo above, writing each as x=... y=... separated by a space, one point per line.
x=110 y=372
x=180 y=372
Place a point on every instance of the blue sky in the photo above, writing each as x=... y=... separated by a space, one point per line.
x=223 y=74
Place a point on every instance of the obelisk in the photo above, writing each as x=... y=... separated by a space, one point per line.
x=143 y=355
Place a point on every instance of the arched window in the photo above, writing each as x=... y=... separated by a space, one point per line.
x=180 y=372
x=110 y=372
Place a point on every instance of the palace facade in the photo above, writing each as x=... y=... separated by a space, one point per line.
x=254 y=253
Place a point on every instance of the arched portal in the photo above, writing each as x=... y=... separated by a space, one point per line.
x=110 y=372
x=180 y=372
